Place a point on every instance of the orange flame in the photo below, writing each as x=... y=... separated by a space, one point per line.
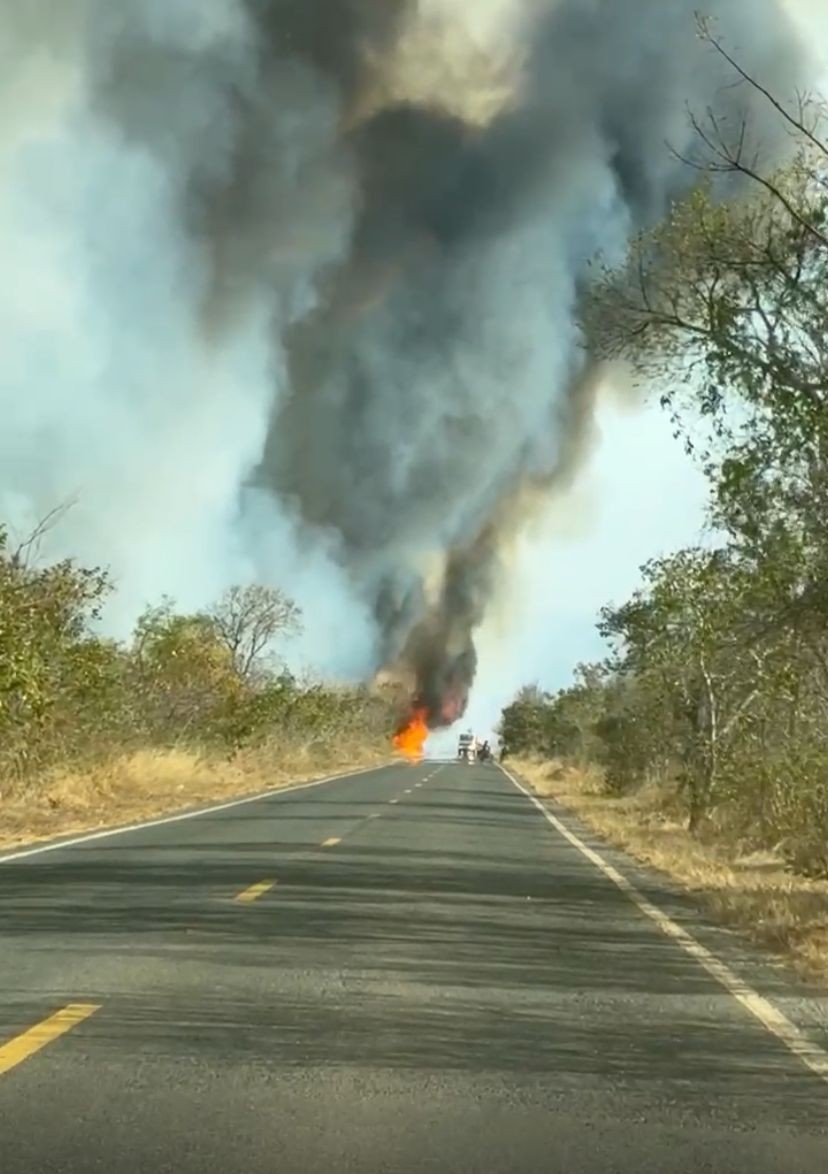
x=410 y=740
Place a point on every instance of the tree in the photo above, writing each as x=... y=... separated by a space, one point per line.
x=183 y=671
x=26 y=551
x=70 y=698
x=694 y=635
x=724 y=306
x=719 y=673
x=558 y=724
x=249 y=620
x=522 y=724
x=45 y=666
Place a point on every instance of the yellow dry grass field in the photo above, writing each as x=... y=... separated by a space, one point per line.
x=750 y=892
x=149 y=783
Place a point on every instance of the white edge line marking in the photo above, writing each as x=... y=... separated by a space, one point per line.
x=771 y=1018
x=103 y=833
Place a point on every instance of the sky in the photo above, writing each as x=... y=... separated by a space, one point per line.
x=93 y=322
x=812 y=16
x=639 y=496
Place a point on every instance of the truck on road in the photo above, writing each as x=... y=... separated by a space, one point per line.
x=467 y=747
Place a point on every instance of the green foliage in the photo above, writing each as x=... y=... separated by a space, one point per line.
x=523 y=724
x=206 y=681
x=559 y=725
x=183 y=672
x=716 y=690
x=49 y=663
x=717 y=684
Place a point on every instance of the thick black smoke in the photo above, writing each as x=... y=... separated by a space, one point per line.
x=413 y=268
x=385 y=436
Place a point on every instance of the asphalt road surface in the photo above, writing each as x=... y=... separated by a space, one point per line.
x=405 y=970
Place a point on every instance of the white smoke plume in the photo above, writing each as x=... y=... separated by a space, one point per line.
x=289 y=286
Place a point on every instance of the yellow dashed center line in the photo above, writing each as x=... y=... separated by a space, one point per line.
x=331 y=841
x=255 y=891
x=22 y=1046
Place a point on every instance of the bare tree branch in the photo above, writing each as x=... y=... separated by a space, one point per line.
x=796 y=124
x=29 y=548
x=248 y=621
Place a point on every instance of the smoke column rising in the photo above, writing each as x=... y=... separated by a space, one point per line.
x=290 y=286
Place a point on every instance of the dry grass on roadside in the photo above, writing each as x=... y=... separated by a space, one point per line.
x=751 y=892
x=148 y=783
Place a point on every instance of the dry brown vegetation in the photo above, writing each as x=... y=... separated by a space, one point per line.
x=753 y=891
x=191 y=709
x=148 y=783
x=708 y=718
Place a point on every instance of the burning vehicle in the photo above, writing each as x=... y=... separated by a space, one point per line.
x=411 y=737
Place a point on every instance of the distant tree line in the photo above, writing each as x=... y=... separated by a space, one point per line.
x=212 y=681
x=717 y=680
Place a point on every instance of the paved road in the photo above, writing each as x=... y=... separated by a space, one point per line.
x=436 y=980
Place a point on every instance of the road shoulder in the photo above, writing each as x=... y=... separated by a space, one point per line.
x=802 y=1003
x=174 y=811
